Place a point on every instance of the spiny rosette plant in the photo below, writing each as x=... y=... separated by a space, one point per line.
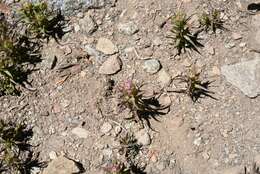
x=41 y=21
x=116 y=167
x=129 y=147
x=7 y=59
x=131 y=96
x=182 y=36
x=14 y=147
x=195 y=88
x=211 y=21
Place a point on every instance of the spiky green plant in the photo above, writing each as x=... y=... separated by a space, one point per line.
x=211 y=21
x=41 y=21
x=131 y=96
x=13 y=142
x=195 y=88
x=182 y=36
x=129 y=146
x=7 y=59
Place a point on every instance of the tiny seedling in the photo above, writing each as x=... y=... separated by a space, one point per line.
x=211 y=21
x=182 y=36
x=42 y=22
x=131 y=96
x=195 y=88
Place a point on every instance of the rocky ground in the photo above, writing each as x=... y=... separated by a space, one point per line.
x=74 y=113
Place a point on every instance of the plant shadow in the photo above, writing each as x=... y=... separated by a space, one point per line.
x=152 y=110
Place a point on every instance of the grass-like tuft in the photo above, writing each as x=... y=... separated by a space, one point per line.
x=15 y=51
x=16 y=154
x=41 y=21
x=182 y=36
x=131 y=97
x=195 y=88
x=211 y=21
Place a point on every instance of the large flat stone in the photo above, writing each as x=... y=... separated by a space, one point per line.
x=245 y=76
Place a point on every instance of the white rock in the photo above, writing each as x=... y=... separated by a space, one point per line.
x=128 y=28
x=61 y=165
x=111 y=66
x=53 y=155
x=152 y=66
x=80 y=132
x=106 y=46
x=164 y=78
x=105 y=128
x=143 y=137
x=197 y=141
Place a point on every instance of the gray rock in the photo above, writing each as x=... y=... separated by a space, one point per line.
x=245 y=76
x=143 y=137
x=152 y=66
x=87 y=25
x=128 y=28
x=80 y=132
x=61 y=165
x=70 y=7
x=111 y=66
x=105 y=128
x=106 y=46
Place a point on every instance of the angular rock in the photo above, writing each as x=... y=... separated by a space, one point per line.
x=61 y=165
x=254 y=39
x=143 y=137
x=88 y=25
x=70 y=7
x=152 y=66
x=111 y=66
x=164 y=78
x=80 y=132
x=128 y=28
x=245 y=76
x=106 y=46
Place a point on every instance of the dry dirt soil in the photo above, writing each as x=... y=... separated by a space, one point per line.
x=209 y=136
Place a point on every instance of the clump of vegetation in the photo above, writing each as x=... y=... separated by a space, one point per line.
x=254 y=170
x=116 y=167
x=131 y=96
x=16 y=156
x=15 y=50
x=129 y=147
x=42 y=22
x=195 y=88
x=182 y=36
x=211 y=21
